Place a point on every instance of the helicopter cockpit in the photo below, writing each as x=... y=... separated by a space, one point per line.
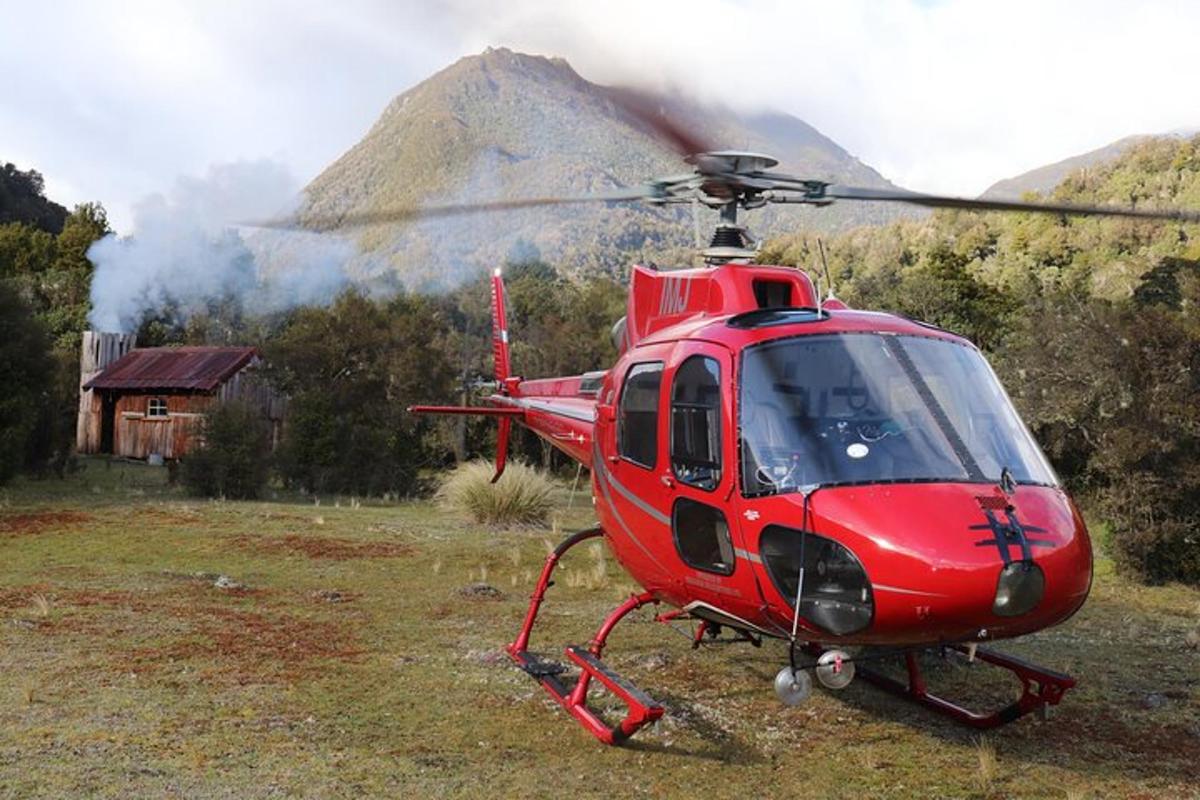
x=857 y=408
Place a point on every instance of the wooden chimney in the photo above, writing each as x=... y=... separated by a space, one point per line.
x=99 y=350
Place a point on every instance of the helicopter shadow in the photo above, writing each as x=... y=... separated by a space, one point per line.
x=720 y=745
x=1089 y=739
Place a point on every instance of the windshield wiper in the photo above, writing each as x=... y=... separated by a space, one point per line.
x=938 y=413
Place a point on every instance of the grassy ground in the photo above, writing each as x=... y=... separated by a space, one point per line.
x=345 y=662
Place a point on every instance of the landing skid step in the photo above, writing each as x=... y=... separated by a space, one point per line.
x=642 y=710
x=614 y=682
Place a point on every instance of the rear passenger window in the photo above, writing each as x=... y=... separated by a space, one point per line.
x=637 y=425
x=696 y=423
x=702 y=536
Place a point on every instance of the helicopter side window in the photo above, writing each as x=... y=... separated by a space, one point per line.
x=702 y=536
x=637 y=423
x=696 y=423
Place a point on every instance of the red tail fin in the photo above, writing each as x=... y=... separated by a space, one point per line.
x=500 y=331
x=503 y=367
x=503 y=370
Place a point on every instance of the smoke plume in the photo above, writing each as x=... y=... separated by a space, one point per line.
x=184 y=254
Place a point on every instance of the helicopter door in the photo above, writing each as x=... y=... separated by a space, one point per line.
x=698 y=475
x=630 y=436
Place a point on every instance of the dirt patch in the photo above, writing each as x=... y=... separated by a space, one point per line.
x=134 y=601
x=21 y=596
x=243 y=647
x=1143 y=743
x=33 y=524
x=327 y=547
x=169 y=516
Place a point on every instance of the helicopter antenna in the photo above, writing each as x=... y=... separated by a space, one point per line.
x=825 y=266
x=806 y=492
x=696 y=222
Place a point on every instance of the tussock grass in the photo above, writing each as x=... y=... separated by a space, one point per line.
x=989 y=765
x=41 y=605
x=523 y=496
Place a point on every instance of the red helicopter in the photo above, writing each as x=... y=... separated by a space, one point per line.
x=773 y=464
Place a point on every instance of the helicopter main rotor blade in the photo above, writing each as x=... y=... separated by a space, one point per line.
x=683 y=140
x=834 y=191
x=321 y=223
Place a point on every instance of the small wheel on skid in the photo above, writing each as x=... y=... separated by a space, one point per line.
x=792 y=686
x=835 y=670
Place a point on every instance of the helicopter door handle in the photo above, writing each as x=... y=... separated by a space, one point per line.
x=667 y=481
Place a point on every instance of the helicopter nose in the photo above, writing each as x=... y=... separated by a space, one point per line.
x=954 y=562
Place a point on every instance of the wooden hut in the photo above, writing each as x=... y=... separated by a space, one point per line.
x=149 y=402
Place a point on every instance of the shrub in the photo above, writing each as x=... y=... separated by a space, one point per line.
x=522 y=496
x=349 y=371
x=1169 y=551
x=26 y=366
x=233 y=459
x=1155 y=534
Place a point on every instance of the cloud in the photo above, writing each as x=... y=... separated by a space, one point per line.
x=944 y=96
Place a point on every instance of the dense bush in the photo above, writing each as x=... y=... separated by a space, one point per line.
x=522 y=496
x=233 y=458
x=351 y=370
x=51 y=273
x=26 y=367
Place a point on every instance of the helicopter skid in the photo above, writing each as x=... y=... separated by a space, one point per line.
x=1041 y=688
x=573 y=697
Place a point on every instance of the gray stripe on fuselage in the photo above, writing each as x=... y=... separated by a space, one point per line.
x=637 y=501
x=602 y=478
x=746 y=554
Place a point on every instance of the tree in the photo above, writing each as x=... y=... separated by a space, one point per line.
x=351 y=371
x=233 y=458
x=26 y=366
x=22 y=199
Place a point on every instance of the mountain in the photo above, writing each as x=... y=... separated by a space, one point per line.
x=1045 y=178
x=507 y=125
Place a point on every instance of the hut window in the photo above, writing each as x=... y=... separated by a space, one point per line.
x=156 y=407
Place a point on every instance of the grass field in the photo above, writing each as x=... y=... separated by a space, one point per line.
x=156 y=645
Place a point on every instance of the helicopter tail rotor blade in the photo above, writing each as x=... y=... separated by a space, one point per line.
x=322 y=223
x=837 y=192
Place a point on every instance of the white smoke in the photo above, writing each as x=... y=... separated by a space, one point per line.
x=184 y=252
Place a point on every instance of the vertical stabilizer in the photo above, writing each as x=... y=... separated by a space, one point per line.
x=503 y=367
x=500 y=331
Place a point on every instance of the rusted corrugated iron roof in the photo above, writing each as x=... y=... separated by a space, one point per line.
x=196 y=369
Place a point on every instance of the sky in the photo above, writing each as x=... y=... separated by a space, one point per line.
x=114 y=101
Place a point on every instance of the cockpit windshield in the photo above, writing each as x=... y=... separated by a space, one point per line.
x=876 y=408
